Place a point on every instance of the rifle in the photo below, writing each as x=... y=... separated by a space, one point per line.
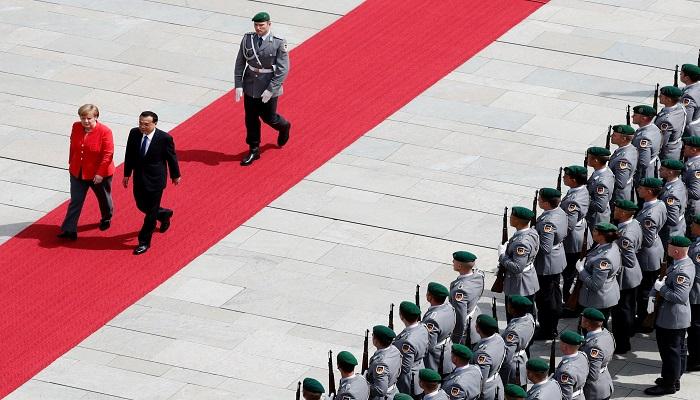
x=493 y=309
x=675 y=77
x=656 y=97
x=497 y=286
x=467 y=334
x=627 y=117
x=517 y=373
x=656 y=168
x=365 y=353
x=552 y=355
x=561 y=169
x=391 y=317
x=607 y=138
x=442 y=360
x=331 y=374
x=585 y=160
x=533 y=221
x=413 y=385
x=698 y=56
x=298 y=391
x=418 y=296
x=572 y=302
x=650 y=319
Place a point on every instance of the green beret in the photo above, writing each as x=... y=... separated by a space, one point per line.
x=516 y=391
x=680 y=241
x=692 y=141
x=571 y=337
x=651 y=182
x=691 y=69
x=520 y=302
x=383 y=332
x=675 y=165
x=626 y=205
x=437 y=289
x=402 y=396
x=598 y=151
x=645 y=110
x=347 y=358
x=522 y=212
x=605 y=227
x=671 y=91
x=487 y=321
x=409 y=308
x=623 y=129
x=261 y=17
x=462 y=351
x=537 y=365
x=463 y=256
x=429 y=375
x=573 y=170
x=593 y=314
x=312 y=385
x=549 y=193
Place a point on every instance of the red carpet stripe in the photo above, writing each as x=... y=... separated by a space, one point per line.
x=344 y=81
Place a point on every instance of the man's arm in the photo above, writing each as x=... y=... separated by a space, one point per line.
x=171 y=159
x=240 y=65
x=281 y=68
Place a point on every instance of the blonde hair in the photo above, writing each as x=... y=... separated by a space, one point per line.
x=87 y=108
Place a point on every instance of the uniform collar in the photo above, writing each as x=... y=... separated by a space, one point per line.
x=621 y=224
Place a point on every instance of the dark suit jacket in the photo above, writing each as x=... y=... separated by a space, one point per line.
x=151 y=172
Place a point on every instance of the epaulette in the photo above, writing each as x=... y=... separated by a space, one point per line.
x=277 y=37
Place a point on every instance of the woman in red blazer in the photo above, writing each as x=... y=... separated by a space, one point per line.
x=91 y=166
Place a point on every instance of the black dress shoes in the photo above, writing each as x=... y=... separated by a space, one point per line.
x=105 y=224
x=165 y=223
x=141 y=248
x=283 y=136
x=676 y=385
x=68 y=235
x=253 y=155
x=659 y=390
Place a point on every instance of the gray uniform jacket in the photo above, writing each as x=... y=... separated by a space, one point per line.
x=517 y=336
x=518 y=261
x=691 y=101
x=552 y=227
x=691 y=178
x=674 y=310
x=353 y=388
x=599 y=276
x=488 y=356
x=271 y=56
x=671 y=123
x=571 y=375
x=629 y=243
x=647 y=140
x=601 y=185
x=623 y=164
x=440 y=322
x=575 y=205
x=412 y=342
x=463 y=383
x=439 y=395
x=694 y=254
x=465 y=292
x=651 y=218
x=675 y=197
x=692 y=128
x=546 y=390
x=383 y=372
x=599 y=347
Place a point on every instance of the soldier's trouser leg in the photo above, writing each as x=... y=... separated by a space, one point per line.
x=252 y=107
x=648 y=278
x=694 y=337
x=268 y=113
x=623 y=319
x=549 y=302
x=671 y=346
x=569 y=274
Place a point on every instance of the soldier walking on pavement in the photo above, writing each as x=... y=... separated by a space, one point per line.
x=552 y=227
x=351 y=386
x=600 y=185
x=464 y=382
x=572 y=371
x=691 y=176
x=671 y=122
x=384 y=365
x=429 y=381
x=489 y=355
x=672 y=316
x=690 y=76
x=262 y=66
x=465 y=292
x=599 y=347
x=544 y=387
x=517 y=337
x=675 y=196
x=647 y=140
x=623 y=161
x=439 y=319
x=412 y=342
x=694 y=297
x=575 y=205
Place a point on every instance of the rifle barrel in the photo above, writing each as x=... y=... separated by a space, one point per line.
x=391 y=317
x=365 y=352
x=331 y=374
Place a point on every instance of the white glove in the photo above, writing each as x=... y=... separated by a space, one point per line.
x=579 y=266
x=650 y=305
x=501 y=249
x=266 y=96
x=239 y=94
x=659 y=284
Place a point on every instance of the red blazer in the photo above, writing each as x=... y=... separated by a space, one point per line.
x=92 y=153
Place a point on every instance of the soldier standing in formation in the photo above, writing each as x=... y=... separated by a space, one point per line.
x=675 y=196
x=384 y=366
x=412 y=342
x=572 y=371
x=465 y=292
x=351 y=385
x=623 y=162
x=464 y=382
x=312 y=389
x=439 y=320
x=647 y=140
x=429 y=381
x=691 y=175
x=690 y=76
x=515 y=392
x=488 y=356
x=671 y=122
x=600 y=185
x=517 y=336
x=693 y=363
x=575 y=205
x=544 y=387
x=599 y=347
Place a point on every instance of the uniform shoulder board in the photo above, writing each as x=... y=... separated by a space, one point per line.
x=455 y=391
x=379 y=370
x=686 y=101
x=511 y=338
x=548 y=228
x=571 y=207
x=520 y=251
x=680 y=279
x=624 y=165
x=284 y=45
x=644 y=143
x=481 y=359
x=648 y=223
x=406 y=348
x=670 y=201
x=595 y=353
x=664 y=126
x=459 y=296
x=600 y=189
x=604 y=265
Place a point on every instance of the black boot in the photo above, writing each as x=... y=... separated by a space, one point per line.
x=253 y=155
x=283 y=135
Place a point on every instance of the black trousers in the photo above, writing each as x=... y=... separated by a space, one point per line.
x=549 y=302
x=623 y=318
x=694 y=336
x=648 y=279
x=78 y=192
x=671 y=344
x=569 y=274
x=255 y=110
x=148 y=202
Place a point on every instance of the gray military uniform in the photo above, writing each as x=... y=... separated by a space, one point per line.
x=599 y=276
x=601 y=185
x=552 y=227
x=412 y=342
x=651 y=218
x=465 y=292
x=599 y=348
x=440 y=322
x=647 y=140
x=463 y=383
x=691 y=101
x=518 y=261
x=691 y=178
x=629 y=243
x=694 y=254
x=488 y=356
x=353 y=388
x=438 y=395
x=571 y=375
x=261 y=68
x=382 y=373
x=675 y=196
x=545 y=390
x=623 y=164
x=575 y=205
x=674 y=310
x=671 y=123
x=517 y=336
x=693 y=128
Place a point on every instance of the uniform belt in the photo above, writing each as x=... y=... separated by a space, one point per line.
x=391 y=388
x=577 y=393
x=605 y=368
x=261 y=70
x=675 y=141
x=556 y=246
x=444 y=341
x=653 y=160
x=580 y=222
x=492 y=378
x=529 y=267
x=520 y=353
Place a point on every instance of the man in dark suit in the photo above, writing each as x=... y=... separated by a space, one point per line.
x=150 y=153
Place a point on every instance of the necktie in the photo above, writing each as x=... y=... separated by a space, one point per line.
x=259 y=41
x=144 y=145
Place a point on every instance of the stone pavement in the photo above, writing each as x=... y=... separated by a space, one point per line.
x=260 y=309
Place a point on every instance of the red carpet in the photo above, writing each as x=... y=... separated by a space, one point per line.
x=345 y=80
